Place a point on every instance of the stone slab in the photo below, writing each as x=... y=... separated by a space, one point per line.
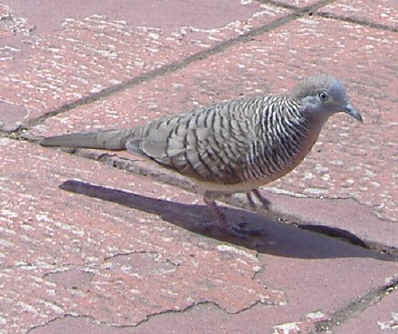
x=380 y=318
x=74 y=56
x=129 y=246
x=347 y=161
x=383 y=12
x=167 y=15
x=125 y=254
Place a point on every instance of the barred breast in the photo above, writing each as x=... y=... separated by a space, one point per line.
x=233 y=146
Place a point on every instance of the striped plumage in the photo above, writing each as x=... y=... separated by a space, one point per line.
x=232 y=143
x=235 y=146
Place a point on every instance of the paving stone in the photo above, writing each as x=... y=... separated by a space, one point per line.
x=11 y=116
x=88 y=54
x=88 y=248
x=81 y=256
x=100 y=259
x=297 y=3
x=346 y=214
x=70 y=324
x=383 y=12
x=168 y=15
x=304 y=304
x=346 y=161
x=381 y=317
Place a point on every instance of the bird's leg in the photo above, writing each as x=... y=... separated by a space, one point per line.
x=209 y=198
x=237 y=230
x=266 y=203
x=251 y=201
x=211 y=203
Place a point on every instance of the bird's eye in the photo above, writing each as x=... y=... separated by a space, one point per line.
x=323 y=96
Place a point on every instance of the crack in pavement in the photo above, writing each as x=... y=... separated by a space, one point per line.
x=113 y=256
x=338 y=318
x=238 y=200
x=195 y=305
x=356 y=307
x=140 y=252
x=175 y=66
x=147 y=318
x=107 y=158
x=49 y=322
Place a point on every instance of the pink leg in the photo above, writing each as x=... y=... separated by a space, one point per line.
x=221 y=219
x=223 y=224
x=266 y=203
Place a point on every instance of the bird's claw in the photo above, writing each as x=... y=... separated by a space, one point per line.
x=265 y=202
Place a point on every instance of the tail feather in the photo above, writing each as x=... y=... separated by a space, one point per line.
x=108 y=140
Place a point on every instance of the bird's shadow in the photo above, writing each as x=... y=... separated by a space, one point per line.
x=274 y=238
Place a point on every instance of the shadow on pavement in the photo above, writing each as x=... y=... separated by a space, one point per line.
x=274 y=238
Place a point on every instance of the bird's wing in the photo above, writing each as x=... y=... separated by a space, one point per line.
x=208 y=145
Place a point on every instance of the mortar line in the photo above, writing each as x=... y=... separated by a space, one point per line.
x=353 y=20
x=177 y=65
x=330 y=15
x=355 y=307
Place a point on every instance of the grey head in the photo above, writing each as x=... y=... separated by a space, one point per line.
x=324 y=95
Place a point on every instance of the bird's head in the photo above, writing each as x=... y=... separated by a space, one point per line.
x=324 y=95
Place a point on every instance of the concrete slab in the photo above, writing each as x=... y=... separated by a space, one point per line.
x=12 y=116
x=384 y=12
x=346 y=161
x=114 y=252
x=103 y=255
x=53 y=248
x=167 y=15
x=86 y=55
x=347 y=214
x=382 y=317
x=296 y=3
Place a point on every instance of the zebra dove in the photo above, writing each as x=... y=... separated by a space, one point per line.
x=235 y=146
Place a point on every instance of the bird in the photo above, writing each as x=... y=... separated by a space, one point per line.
x=233 y=146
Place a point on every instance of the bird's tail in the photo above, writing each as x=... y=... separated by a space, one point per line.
x=107 y=139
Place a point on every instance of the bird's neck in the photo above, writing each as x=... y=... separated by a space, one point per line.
x=315 y=120
x=314 y=123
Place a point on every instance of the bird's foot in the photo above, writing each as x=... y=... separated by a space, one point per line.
x=237 y=230
x=266 y=203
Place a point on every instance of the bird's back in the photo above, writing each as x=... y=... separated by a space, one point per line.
x=237 y=145
x=229 y=143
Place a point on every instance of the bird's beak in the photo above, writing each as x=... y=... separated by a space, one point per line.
x=352 y=112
